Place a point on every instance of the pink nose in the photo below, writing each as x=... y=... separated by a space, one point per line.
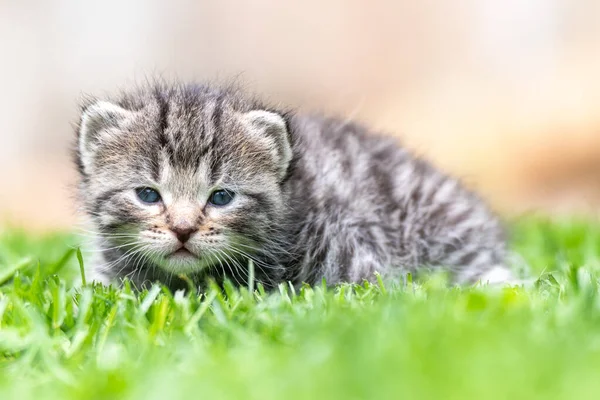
x=183 y=233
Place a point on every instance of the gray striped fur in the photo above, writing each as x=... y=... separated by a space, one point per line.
x=316 y=197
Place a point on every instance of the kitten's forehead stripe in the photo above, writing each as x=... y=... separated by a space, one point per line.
x=216 y=126
x=207 y=130
x=192 y=134
x=163 y=107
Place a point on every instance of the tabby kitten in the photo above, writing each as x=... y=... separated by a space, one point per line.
x=198 y=180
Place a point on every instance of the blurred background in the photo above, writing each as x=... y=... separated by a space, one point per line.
x=503 y=93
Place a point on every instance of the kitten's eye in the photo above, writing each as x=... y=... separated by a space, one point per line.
x=148 y=195
x=220 y=197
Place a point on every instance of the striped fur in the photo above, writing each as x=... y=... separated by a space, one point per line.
x=315 y=197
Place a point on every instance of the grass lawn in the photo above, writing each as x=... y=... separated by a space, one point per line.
x=423 y=340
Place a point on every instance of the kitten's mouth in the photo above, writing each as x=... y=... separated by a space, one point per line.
x=182 y=252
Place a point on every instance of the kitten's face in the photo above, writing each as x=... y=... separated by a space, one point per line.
x=185 y=180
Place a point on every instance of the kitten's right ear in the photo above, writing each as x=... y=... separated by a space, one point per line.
x=97 y=125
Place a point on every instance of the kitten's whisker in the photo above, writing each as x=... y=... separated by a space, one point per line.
x=236 y=264
x=138 y=261
x=224 y=275
x=248 y=255
x=233 y=274
x=260 y=265
x=107 y=238
x=123 y=257
x=243 y=268
x=223 y=265
x=137 y=264
x=114 y=263
x=126 y=254
x=87 y=230
x=104 y=249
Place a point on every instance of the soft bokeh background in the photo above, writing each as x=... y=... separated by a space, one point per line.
x=504 y=93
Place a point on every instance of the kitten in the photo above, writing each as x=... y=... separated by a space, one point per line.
x=198 y=180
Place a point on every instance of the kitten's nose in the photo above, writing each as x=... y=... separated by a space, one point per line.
x=183 y=233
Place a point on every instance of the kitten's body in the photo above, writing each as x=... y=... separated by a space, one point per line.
x=315 y=197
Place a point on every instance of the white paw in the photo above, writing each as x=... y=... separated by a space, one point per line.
x=498 y=274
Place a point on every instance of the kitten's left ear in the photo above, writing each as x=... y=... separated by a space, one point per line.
x=271 y=128
x=97 y=125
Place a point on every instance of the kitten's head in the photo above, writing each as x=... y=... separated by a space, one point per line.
x=184 y=176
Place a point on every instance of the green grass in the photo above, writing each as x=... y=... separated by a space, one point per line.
x=424 y=340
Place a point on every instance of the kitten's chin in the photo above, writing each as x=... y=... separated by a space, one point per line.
x=182 y=261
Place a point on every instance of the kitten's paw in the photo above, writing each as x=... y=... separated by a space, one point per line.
x=496 y=275
x=501 y=276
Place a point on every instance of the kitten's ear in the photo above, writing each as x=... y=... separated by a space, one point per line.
x=96 y=126
x=272 y=127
